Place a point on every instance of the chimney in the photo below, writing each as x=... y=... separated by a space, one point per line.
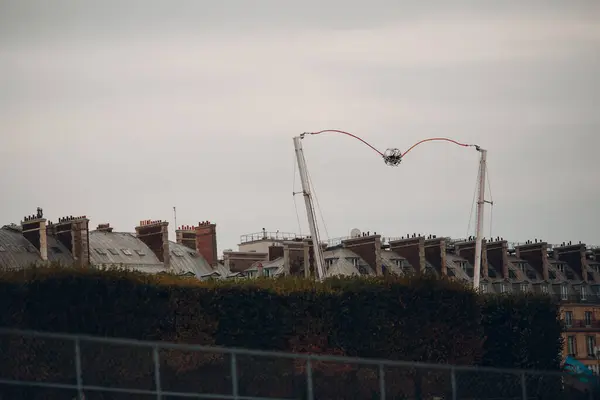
x=104 y=228
x=368 y=248
x=467 y=251
x=186 y=235
x=574 y=255
x=310 y=266
x=535 y=254
x=206 y=242
x=295 y=257
x=275 y=252
x=34 y=230
x=497 y=255
x=435 y=253
x=155 y=234
x=411 y=248
x=73 y=233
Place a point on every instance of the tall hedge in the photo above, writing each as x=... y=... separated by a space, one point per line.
x=414 y=319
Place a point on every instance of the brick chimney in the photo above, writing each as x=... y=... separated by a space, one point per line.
x=411 y=248
x=186 y=235
x=368 y=247
x=536 y=254
x=34 y=230
x=497 y=255
x=467 y=250
x=310 y=257
x=206 y=242
x=295 y=257
x=104 y=228
x=276 y=251
x=73 y=233
x=155 y=234
x=435 y=253
x=574 y=255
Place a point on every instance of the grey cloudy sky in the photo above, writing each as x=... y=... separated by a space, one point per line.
x=122 y=110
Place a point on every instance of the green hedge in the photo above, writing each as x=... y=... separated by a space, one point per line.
x=414 y=319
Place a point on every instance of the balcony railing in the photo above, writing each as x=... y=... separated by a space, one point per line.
x=253 y=237
x=582 y=324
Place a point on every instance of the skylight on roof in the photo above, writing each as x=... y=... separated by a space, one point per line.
x=100 y=251
x=127 y=252
x=140 y=253
x=178 y=253
x=113 y=252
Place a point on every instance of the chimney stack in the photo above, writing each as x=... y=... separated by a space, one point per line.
x=467 y=251
x=34 y=230
x=574 y=255
x=206 y=242
x=411 y=248
x=368 y=248
x=155 y=234
x=536 y=254
x=104 y=228
x=497 y=255
x=435 y=253
x=73 y=233
x=186 y=235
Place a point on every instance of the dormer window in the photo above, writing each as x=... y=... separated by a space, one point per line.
x=524 y=287
x=329 y=262
x=561 y=268
x=355 y=262
x=583 y=293
x=503 y=288
x=484 y=288
x=564 y=292
x=544 y=289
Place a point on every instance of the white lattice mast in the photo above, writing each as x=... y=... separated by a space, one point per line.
x=480 y=213
x=310 y=209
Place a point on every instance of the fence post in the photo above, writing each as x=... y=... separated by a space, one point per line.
x=523 y=386
x=155 y=356
x=453 y=383
x=309 y=379
x=234 y=377
x=381 y=381
x=78 y=373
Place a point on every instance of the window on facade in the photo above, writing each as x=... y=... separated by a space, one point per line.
x=522 y=267
x=524 y=287
x=583 y=293
x=571 y=346
x=484 y=288
x=544 y=289
x=587 y=317
x=590 y=344
x=503 y=288
x=564 y=292
x=569 y=318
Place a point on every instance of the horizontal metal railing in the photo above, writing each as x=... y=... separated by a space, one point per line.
x=308 y=360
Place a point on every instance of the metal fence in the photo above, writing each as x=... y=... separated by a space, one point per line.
x=39 y=365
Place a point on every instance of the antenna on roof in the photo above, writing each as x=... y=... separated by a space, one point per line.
x=175 y=217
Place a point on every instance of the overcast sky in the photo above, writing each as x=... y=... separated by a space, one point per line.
x=121 y=110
